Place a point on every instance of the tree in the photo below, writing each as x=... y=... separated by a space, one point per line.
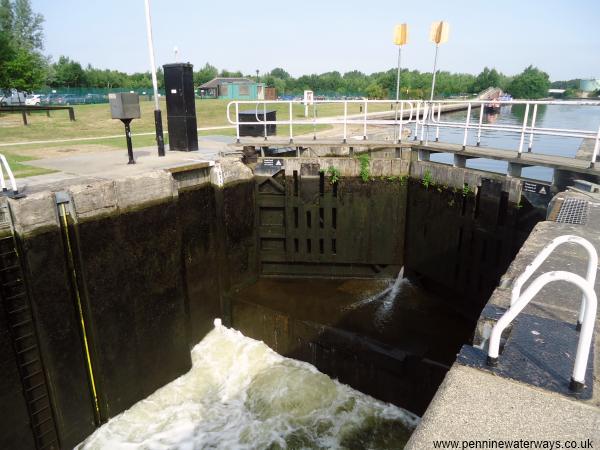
x=278 y=72
x=26 y=70
x=7 y=54
x=205 y=74
x=67 y=72
x=531 y=83
x=375 y=91
x=6 y=17
x=227 y=74
x=27 y=26
x=487 y=78
x=22 y=66
x=274 y=82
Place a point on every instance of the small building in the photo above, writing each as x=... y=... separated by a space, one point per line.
x=232 y=89
x=590 y=85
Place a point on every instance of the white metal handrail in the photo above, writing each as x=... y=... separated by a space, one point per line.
x=587 y=328
x=592 y=267
x=423 y=115
x=13 y=183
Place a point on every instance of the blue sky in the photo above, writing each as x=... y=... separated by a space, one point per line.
x=313 y=36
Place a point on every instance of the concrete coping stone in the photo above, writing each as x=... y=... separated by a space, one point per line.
x=350 y=167
x=35 y=213
x=93 y=200
x=456 y=177
x=230 y=170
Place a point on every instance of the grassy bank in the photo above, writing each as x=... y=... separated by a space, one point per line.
x=94 y=121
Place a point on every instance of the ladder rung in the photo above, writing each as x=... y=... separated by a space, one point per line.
x=39 y=397
x=9 y=268
x=29 y=389
x=42 y=422
x=41 y=435
x=43 y=408
x=13 y=297
x=51 y=443
x=18 y=310
x=23 y=322
x=34 y=360
x=25 y=350
x=12 y=252
x=25 y=336
x=12 y=283
x=31 y=375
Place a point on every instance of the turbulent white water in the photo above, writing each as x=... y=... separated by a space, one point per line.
x=386 y=307
x=240 y=394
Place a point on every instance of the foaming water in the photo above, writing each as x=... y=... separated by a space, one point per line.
x=387 y=297
x=386 y=308
x=240 y=394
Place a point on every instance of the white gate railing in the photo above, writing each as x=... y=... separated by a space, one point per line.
x=423 y=116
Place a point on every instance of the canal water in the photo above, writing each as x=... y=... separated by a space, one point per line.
x=548 y=116
x=240 y=394
x=396 y=313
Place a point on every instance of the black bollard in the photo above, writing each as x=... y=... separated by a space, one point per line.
x=126 y=122
x=160 y=142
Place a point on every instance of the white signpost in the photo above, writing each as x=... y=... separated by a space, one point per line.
x=308 y=100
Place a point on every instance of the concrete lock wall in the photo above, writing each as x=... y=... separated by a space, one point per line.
x=464 y=227
x=148 y=259
x=153 y=259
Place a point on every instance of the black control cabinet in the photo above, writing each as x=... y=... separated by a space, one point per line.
x=181 y=106
x=256 y=116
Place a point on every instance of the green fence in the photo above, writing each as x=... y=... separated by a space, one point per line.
x=81 y=96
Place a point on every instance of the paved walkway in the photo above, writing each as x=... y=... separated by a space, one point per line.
x=86 y=167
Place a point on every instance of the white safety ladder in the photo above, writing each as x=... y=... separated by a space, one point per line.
x=587 y=312
x=13 y=184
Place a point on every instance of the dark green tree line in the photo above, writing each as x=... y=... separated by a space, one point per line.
x=22 y=65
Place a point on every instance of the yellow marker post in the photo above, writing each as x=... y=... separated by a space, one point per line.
x=400 y=39
x=438 y=34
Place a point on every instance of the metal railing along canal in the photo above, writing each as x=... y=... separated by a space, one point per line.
x=424 y=117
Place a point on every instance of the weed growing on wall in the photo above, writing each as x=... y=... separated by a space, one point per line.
x=364 y=167
x=334 y=174
x=427 y=179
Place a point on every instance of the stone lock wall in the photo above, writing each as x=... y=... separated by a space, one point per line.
x=148 y=258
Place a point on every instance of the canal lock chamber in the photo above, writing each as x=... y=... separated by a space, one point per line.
x=120 y=279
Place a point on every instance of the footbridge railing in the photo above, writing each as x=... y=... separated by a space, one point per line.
x=587 y=312
x=423 y=117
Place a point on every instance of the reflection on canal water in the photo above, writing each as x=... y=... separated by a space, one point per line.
x=240 y=394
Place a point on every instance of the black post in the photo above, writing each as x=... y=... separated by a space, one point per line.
x=159 y=132
x=126 y=122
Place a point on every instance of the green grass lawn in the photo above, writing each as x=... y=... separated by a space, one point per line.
x=21 y=169
x=95 y=121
